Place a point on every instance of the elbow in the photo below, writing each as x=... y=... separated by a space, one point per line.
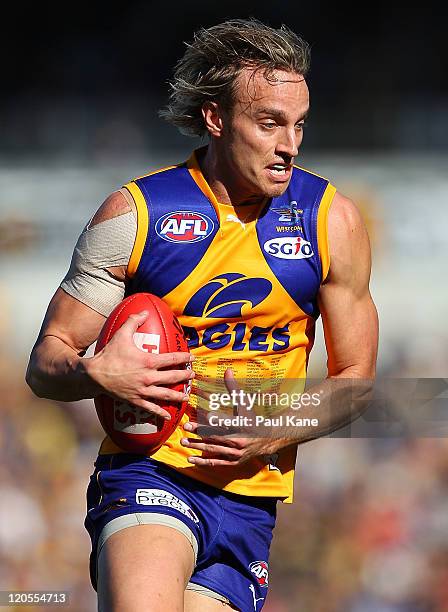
x=32 y=380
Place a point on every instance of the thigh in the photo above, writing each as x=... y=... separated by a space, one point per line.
x=236 y=565
x=198 y=602
x=144 y=568
x=132 y=494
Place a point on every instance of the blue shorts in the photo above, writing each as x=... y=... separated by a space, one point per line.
x=230 y=534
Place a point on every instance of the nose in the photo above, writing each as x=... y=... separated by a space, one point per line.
x=289 y=142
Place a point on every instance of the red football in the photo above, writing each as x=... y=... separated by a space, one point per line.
x=132 y=428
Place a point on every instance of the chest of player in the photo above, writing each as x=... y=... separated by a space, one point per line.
x=214 y=261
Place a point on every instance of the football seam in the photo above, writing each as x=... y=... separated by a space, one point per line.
x=159 y=312
x=117 y=315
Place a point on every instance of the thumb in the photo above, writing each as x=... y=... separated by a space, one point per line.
x=134 y=321
x=230 y=381
x=232 y=385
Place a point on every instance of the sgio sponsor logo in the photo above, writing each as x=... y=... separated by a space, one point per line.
x=289 y=248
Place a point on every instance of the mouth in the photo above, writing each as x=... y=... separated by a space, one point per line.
x=280 y=172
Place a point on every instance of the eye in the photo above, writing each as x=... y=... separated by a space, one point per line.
x=269 y=125
x=300 y=125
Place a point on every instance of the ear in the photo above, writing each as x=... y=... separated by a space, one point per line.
x=212 y=118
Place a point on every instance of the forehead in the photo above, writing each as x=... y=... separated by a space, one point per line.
x=284 y=90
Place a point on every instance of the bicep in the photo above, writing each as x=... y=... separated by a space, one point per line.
x=95 y=282
x=348 y=313
x=98 y=268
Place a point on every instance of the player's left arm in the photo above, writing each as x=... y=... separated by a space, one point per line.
x=349 y=315
x=350 y=324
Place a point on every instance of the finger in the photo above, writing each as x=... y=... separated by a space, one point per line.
x=203 y=431
x=133 y=322
x=197 y=416
x=232 y=386
x=169 y=360
x=173 y=377
x=152 y=408
x=197 y=390
x=190 y=426
x=200 y=424
x=211 y=462
x=164 y=394
x=222 y=452
x=215 y=441
x=230 y=381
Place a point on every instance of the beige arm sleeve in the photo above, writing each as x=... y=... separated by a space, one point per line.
x=107 y=244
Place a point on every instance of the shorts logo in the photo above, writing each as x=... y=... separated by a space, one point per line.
x=289 y=248
x=184 y=226
x=148 y=343
x=133 y=420
x=255 y=599
x=261 y=572
x=158 y=497
x=228 y=296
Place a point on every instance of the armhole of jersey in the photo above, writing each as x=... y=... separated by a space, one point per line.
x=322 y=229
x=142 y=228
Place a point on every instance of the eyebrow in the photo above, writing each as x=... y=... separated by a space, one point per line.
x=275 y=112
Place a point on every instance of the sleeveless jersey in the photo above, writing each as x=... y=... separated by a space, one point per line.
x=243 y=282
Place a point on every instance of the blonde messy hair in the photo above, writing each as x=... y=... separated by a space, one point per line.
x=209 y=69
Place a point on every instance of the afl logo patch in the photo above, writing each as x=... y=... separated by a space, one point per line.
x=261 y=572
x=184 y=226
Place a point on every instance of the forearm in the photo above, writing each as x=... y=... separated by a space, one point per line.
x=57 y=372
x=342 y=400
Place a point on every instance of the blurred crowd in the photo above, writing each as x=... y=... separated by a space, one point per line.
x=46 y=455
x=368 y=531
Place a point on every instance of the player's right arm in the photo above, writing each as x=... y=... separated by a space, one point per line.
x=57 y=369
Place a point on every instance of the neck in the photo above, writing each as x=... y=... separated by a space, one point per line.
x=217 y=176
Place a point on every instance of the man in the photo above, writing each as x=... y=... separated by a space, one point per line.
x=247 y=249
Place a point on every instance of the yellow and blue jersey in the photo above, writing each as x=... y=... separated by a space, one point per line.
x=243 y=281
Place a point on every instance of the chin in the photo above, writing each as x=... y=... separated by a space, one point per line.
x=268 y=189
x=274 y=191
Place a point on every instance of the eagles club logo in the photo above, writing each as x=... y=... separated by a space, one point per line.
x=228 y=296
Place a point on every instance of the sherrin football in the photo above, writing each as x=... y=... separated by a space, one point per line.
x=132 y=428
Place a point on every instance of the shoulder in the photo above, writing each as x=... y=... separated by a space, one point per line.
x=349 y=244
x=345 y=221
x=117 y=203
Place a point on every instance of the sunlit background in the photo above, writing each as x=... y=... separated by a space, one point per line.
x=369 y=528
